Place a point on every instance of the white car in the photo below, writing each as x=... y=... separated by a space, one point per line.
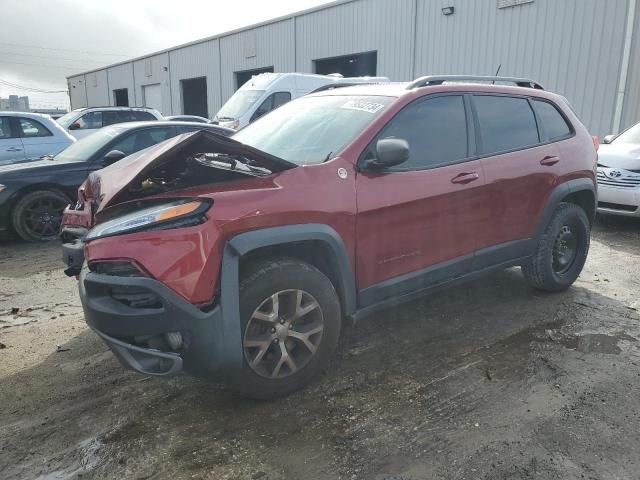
x=84 y=121
x=619 y=174
x=267 y=91
x=28 y=136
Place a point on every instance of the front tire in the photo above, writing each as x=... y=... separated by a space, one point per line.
x=561 y=251
x=291 y=318
x=38 y=215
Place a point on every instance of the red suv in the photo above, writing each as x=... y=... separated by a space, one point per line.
x=239 y=259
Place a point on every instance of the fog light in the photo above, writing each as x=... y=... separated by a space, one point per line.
x=174 y=340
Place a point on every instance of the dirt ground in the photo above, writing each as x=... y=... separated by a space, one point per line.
x=489 y=380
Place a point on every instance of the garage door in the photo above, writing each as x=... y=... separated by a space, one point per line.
x=152 y=96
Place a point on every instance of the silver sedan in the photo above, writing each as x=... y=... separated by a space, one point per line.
x=619 y=174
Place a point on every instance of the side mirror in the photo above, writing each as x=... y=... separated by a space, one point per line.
x=112 y=157
x=389 y=152
x=74 y=126
x=608 y=139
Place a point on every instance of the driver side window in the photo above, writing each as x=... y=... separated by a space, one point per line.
x=272 y=102
x=89 y=121
x=436 y=130
x=142 y=139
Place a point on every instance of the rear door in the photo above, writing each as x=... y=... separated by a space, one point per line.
x=37 y=139
x=417 y=222
x=521 y=170
x=11 y=149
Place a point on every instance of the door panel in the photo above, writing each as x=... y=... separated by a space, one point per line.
x=37 y=139
x=408 y=221
x=11 y=148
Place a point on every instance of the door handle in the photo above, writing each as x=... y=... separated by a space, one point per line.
x=465 y=178
x=549 y=161
x=14 y=149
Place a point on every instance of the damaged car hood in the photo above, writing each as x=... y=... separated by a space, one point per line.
x=106 y=187
x=625 y=156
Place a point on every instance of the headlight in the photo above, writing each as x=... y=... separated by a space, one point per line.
x=2 y=188
x=179 y=213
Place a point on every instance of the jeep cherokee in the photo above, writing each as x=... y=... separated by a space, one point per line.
x=239 y=259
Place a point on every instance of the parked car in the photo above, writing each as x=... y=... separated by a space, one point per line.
x=84 y=121
x=187 y=118
x=239 y=259
x=33 y=195
x=29 y=136
x=267 y=91
x=619 y=174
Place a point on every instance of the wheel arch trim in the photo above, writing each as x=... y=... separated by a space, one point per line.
x=559 y=193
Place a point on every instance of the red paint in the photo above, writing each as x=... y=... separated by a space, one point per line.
x=391 y=223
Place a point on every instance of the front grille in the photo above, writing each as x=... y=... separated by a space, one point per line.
x=625 y=181
x=617 y=206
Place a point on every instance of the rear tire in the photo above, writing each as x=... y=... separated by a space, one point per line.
x=38 y=215
x=561 y=251
x=290 y=317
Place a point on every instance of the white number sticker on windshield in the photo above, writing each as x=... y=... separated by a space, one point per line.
x=364 y=106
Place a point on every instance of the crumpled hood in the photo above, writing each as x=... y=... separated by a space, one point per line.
x=104 y=186
x=625 y=156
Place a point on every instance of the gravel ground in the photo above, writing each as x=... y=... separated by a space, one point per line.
x=489 y=380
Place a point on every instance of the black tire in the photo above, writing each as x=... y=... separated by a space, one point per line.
x=551 y=268
x=37 y=216
x=279 y=277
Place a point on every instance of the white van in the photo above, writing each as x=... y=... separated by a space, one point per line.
x=268 y=91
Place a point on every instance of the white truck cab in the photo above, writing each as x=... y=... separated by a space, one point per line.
x=267 y=91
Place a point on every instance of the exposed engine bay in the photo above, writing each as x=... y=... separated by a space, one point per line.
x=202 y=158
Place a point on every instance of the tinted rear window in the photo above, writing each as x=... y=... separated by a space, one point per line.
x=143 y=116
x=553 y=123
x=506 y=123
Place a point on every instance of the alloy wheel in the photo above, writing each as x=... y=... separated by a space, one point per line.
x=283 y=334
x=42 y=217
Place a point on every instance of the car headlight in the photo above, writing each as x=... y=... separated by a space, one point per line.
x=178 y=213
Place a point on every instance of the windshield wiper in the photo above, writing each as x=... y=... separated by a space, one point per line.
x=226 y=119
x=231 y=163
x=47 y=157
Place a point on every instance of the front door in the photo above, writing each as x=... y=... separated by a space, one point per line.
x=11 y=149
x=417 y=222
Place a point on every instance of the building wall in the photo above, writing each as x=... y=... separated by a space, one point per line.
x=631 y=110
x=357 y=27
x=573 y=47
x=97 y=88
x=151 y=71
x=200 y=60
x=270 y=45
x=121 y=76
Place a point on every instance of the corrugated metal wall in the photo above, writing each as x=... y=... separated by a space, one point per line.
x=573 y=47
x=268 y=46
x=121 y=76
x=200 y=60
x=361 y=26
x=153 y=70
x=631 y=111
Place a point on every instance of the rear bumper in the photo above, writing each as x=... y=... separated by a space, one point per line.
x=619 y=201
x=137 y=334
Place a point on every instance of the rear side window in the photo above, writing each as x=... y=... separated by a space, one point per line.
x=31 y=128
x=109 y=117
x=142 y=116
x=5 y=128
x=436 y=130
x=554 y=126
x=506 y=123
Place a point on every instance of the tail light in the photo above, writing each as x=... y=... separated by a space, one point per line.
x=596 y=142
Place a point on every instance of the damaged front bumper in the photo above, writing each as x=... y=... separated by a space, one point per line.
x=137 y=331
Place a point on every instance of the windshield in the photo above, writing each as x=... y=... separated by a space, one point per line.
x=631 y=136
x=311 y=130
x=67 y=118
x=239 y=103
x=82 y=150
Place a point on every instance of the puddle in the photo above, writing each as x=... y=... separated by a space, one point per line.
x=592 y=342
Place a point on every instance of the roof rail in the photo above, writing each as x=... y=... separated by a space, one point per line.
x=432 y=80
x=332 y=86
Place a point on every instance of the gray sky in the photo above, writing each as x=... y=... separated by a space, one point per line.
x=43 y=41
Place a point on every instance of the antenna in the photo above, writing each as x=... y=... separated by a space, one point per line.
x=497 y=72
